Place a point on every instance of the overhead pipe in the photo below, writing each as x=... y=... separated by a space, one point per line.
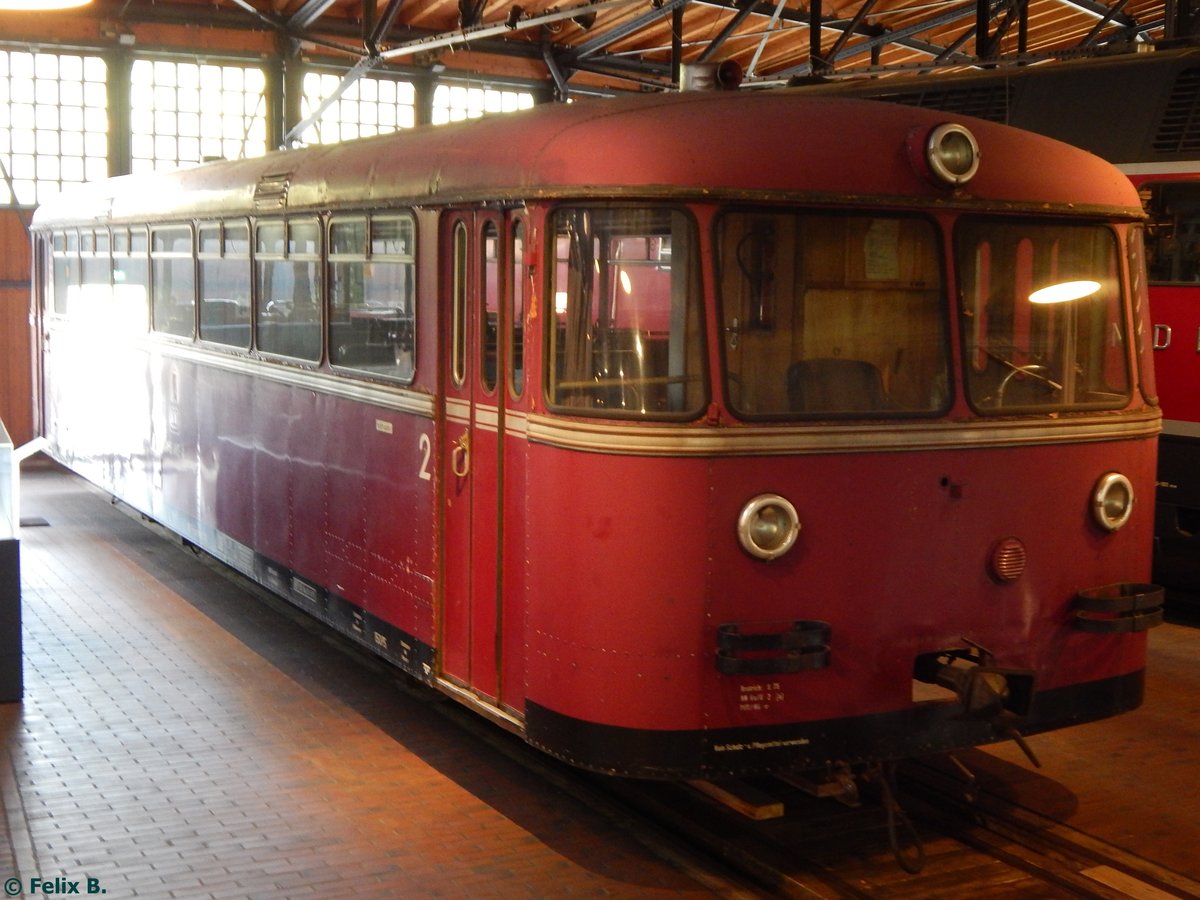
x=477 y=32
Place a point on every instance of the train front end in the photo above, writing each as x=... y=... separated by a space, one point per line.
x=847 y=464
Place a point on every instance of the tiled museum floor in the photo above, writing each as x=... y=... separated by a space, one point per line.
x=178 y=739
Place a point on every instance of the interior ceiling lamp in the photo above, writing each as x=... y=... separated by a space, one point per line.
x=40 y=5
x=1064 y=292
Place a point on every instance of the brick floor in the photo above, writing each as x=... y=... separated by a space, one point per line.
x=178 y=739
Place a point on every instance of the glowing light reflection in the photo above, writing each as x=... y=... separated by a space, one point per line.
x=40 y=5
x=1064 y=292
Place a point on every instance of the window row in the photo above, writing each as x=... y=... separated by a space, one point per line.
x=260 y=285
x=829 y=314
x=54 y=115
x=822 y=314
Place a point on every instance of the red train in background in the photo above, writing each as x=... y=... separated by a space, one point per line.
x=1140 y=111
x=799 y=448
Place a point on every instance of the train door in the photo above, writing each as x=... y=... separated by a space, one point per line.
x=473 y=428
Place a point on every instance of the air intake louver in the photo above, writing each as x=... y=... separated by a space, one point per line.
x=1179 y=128
x=271 y=191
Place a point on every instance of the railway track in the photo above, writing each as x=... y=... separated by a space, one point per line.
x=970 y=839
x=959 y=837
x=1062 y=855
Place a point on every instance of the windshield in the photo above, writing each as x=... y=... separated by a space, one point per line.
x=827 y=315
x=628 y=310
x=1042 y=316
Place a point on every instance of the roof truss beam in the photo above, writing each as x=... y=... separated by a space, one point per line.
x=613 y=35
x=876 y=36
x=375 y=34
x=1102 y=24
x=308 y=13
x=980 y=25
x=903 y=36
x=744 y=9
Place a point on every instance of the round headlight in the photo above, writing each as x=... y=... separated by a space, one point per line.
x=952 y=153
x=768 y=526
x=1112 y=501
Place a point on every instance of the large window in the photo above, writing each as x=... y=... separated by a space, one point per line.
x=456 y=103
x=53 y=124
x=54 y=115
x=367 y=107
x=628 y=315
x=1043 y=318
x=828 y=315
x=185 y=113
x=372 y=269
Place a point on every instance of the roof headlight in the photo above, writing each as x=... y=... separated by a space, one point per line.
x=768 y=526
x=1112 y=501
x=952 y=154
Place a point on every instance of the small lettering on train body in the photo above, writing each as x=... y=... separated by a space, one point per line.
x=760 y=697
x=761 y=745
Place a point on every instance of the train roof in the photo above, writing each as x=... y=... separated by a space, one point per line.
x=754 y=145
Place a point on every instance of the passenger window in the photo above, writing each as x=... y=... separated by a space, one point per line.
x=225 y=283
x=372 y=268
x=174 y=280
x=458 y=303
x=287 y=273
x=489 y=308
x=131 y=281
x=65 y=270
x=516 y=317
x=96 y=273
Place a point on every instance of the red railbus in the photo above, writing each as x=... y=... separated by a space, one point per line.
x=1140 y=111
x=803 y=448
